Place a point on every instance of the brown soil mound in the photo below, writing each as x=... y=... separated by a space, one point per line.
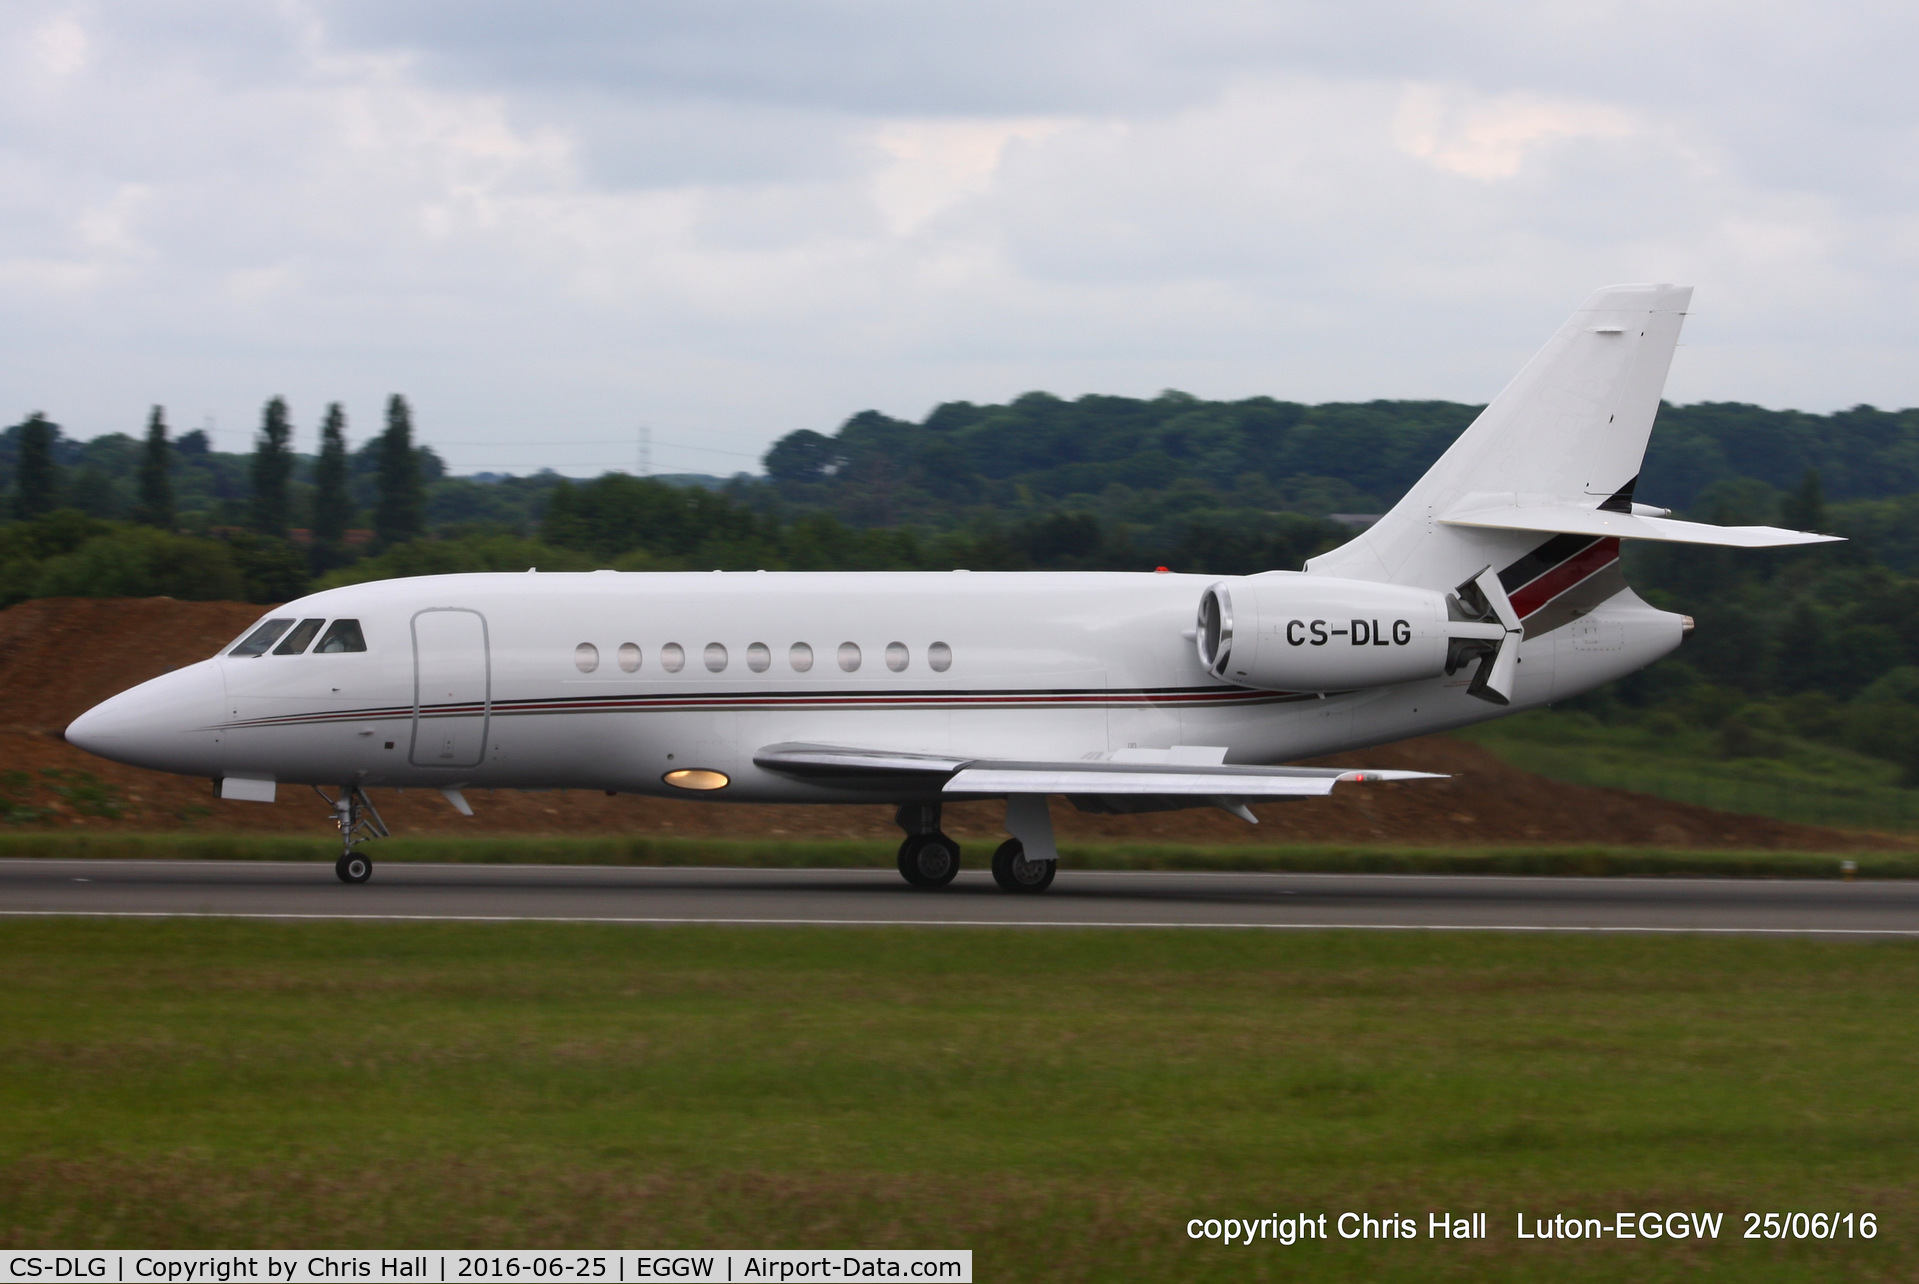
x=60 y=656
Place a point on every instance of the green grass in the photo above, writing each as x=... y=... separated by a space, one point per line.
x=1810 y=783
x=1061 y=1103
x=788 y=853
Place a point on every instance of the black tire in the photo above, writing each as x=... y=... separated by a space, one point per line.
x=929 y=860
x=1014 y=873
x=353 y=868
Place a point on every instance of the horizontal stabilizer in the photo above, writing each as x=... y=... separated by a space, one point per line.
x=1573 y=519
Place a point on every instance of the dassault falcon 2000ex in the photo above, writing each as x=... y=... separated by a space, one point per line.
x=1493 y=586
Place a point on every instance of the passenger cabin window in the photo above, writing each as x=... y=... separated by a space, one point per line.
x=897 y=656
x=672 y=657
x=630 y=656
x=800 y=656
x=298 y=639
x=586 y=657
x=939 y=657
x=260 y=639
x=342 y=635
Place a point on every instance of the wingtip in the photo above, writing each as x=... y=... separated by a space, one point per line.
x=1368 y=775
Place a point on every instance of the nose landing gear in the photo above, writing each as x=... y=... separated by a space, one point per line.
x=358 y=821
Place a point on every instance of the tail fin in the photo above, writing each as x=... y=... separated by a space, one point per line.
x=1541 y=485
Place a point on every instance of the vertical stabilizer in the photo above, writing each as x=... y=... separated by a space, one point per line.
x=1571 y=429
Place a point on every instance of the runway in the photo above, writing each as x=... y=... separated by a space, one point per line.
x=1079 y=898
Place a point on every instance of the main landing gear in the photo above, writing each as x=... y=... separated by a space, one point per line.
x=1026 y=862
x=927 y=858
x=1014 y=873
x=358 y=820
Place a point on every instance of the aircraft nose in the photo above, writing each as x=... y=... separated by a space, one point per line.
x=166 y=724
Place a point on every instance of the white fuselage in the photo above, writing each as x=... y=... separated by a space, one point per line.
x=478 y=681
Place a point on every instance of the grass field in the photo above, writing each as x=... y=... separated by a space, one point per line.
x=1801 y=781
x=1061 y=1103
x=788 y=853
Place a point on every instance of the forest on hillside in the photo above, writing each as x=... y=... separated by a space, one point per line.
x=1818 y=644
x=1124 y=456
x=1148 y=469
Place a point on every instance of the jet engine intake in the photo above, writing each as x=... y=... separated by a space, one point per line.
x=1288 y=631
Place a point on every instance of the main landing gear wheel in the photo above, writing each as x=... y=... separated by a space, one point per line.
x=353 y=868
x=1014 y=873
x=929 y=860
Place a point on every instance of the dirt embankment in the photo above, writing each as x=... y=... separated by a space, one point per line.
x=60 y=656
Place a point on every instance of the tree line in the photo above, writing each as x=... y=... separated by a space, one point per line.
x=39 y=489
x=1117 y=454
x=1156 y=468
x=238 y=545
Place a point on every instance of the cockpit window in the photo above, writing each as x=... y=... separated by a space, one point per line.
x=261 y=638
x=344 y=635
x=297 y=640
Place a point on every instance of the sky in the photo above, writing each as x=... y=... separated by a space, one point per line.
x=551 y=226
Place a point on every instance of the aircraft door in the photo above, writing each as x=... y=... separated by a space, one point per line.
x=452 y=688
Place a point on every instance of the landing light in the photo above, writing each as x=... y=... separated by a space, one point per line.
x=696 y=778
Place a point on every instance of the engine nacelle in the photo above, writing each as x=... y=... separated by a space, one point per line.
x=1290 y=631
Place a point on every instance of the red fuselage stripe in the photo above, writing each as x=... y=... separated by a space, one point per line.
x=1573 y=570
x=789 y=700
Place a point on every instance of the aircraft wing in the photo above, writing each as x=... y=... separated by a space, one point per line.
x=985 y=776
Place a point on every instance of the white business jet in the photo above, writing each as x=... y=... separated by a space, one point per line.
x=1493 y=586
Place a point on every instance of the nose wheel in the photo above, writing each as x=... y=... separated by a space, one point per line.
x=358 y=821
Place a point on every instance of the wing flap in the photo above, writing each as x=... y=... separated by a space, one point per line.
x=1163 y=774
x=1219 y=782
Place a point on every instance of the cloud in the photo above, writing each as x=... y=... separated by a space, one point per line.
x=1490 y=138
x=937 y=163
x=734 y=219
x=60 y=46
